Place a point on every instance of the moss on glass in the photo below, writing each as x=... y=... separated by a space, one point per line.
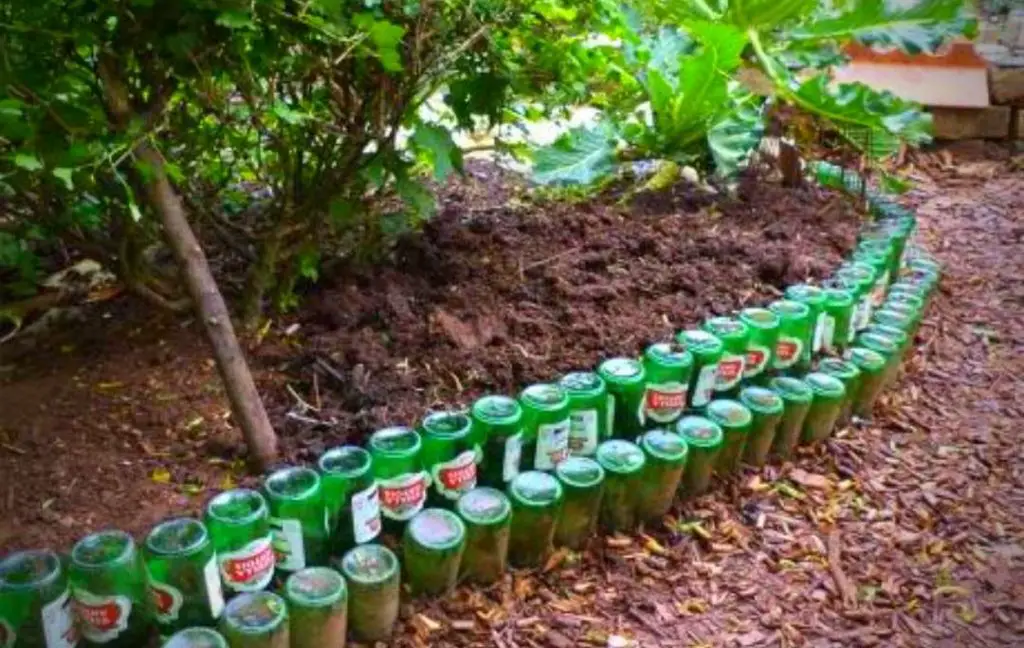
x=536 y=508
x=766 y=408
x=826 y=404
x=623 y=464
x=582 y=480
x=374 y=591
x=432 y=551
x=665 y=454
x=796 y=398
x=487 y=514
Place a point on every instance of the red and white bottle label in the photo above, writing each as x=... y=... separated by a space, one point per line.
x=167 y=601
x=101 y=618
x=455 y=477
x=403 y=497
x=704 y=390
x=756 y=361
x=787 y=351
x=730 y=371
x=663 y=402
x=552 y=445
x=248 y=569
x=366 y=514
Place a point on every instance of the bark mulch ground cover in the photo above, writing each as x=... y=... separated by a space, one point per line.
x=905 y=531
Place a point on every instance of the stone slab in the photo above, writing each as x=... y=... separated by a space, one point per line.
x=1006 y=85
x=992 y=122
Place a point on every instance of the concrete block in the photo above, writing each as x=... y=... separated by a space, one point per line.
x=972 y=123
x=1006 y=85
x=1018 y=123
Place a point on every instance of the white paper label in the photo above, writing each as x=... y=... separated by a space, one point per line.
x=864 y=312
x=366 y=514
x=851 y=331
x=288 y=548
x=878 y=294
x=552 y=445
x=513 y=455
x=583 y=432
x=610 y=418
x=213 y=590
x=823 y=328
x=58 y=623
x=102 y=618
x=705 y=388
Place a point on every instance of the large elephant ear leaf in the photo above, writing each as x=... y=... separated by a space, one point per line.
x=735 y=137
x=874 y=122
x=768 y=14
x=923 y=27
x=581 y=156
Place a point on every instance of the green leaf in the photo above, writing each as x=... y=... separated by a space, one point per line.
x=11 y=107
x=923 y=27
x=64 y=175
x=27 y=161
x=767 y=14
x=735 y=137
x=416 y=197
x=386 y=38
x=442 y=152
x=287 y=114
x=581 y=156
x=236 y=19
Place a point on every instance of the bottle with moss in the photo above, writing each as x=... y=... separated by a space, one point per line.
x=626 y=381
x=487 y=514
x=763 y=326
x=498 y=430
x=298 y=518
x=196 y=637
x=735 y=420
x=623 y=464
x=796 y=332
x=432 y=551
x=536 y=508
x=450 y=455
x=826 y=404
x=839 y=328
x=665 y=454
x=374 y=592
x=317 y=608
x=256 y=620
x=796 y=397
x=582 y=480
x=814 y=298
x=849 y=374
x=766 y=408
x=35 y=603
x=888 y=348
x=545 y=426
x=707 y=351
x=872 y=368
x=704 y=440
x=588 y=411
x=401 y=479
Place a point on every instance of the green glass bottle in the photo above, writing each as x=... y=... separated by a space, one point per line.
x=298 y=518
x=108 y=584
x=861 y=276
x=623 y=464
x=317 y=608
x=432 y=551
x=35 y=602
x=256 y=620
x=450 y=455
x=401 y=479
x=665 y=454
x=898 y=336
x=198 y=637
x=704 y=443
x=498 y=430
x=872 y=366
x=795 y=333
x=734 y=419
x=351 y=497
x=536 y=508
x=487 y=514
x=763 y=326
x=181 y=571
x=707 y=350
x=626 y=381
x=839 y=329
x=766 y=408
x=545 y=426
x=588 y=411
x=849 y=374
x=239 y=524
x=902 y=311
x=814 y=298
x=374 y=592
x=888 y=348
x=668 y=367
x=796 y=397
x=582 y=480
x=826 y=405
x=877 y=255
x=735 y=336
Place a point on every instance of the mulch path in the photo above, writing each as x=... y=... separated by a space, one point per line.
x=904 y=531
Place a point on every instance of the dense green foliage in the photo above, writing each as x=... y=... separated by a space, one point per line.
x=301 y=132
x=686 y=56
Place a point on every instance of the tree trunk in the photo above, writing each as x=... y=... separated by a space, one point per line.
x=246 y=404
